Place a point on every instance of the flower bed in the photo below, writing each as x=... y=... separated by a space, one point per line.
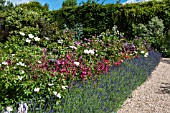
x=47 y=76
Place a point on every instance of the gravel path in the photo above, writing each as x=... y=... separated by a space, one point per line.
x=153 y=96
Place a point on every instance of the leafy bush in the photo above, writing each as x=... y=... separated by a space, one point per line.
x=28 y=21
x=153 y=33
x=32 y=68
x=102 y=17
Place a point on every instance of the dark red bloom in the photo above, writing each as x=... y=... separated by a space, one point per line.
x=136 y=56
x=35 y=77
x=106 y=61
x=116 y=63
x=8 y=61
x=52 y=75
x=83 y=77
x=127 y=57
x=2 y=69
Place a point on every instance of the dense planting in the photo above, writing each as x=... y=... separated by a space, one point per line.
x=106 y=93
x=33 y=71
x=47 y=65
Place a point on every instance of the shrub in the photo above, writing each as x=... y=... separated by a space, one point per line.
x=153 y=33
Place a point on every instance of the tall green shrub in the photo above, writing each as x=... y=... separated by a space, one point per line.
x=96 y=18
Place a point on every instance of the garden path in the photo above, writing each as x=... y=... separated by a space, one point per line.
x=153 y=96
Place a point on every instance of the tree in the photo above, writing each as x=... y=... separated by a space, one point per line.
x=68 y=3
x=46 y=5
x=4 y=5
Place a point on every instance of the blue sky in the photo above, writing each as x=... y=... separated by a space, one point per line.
x=57 y=4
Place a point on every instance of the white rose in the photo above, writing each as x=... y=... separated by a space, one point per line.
x=30 y=35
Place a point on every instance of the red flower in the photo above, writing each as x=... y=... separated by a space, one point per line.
x=117 y=63
x=35 y=77
x=52 y=75
x=127 y=57
x=8 y=61
x=136 y=56
x=2 y=69
x=83 y=77
x=106 y=61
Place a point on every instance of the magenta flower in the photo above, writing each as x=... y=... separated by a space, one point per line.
x=68 y=56
x=84 y=73
x=83 y=77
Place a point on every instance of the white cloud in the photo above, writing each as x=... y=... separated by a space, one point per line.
x=19 y=1
x=134 y=1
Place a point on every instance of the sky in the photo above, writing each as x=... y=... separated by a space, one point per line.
x=57 y=4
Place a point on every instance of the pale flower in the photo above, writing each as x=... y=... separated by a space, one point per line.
x=86 y=51
x=21 y=33
x=39 y=61
x=13 y=54
x=23 y=108
x=77 y=63
x=9 y=109
x=31 y=35
x=60 y=41
x=57 y=94
x=135 y=52
x=5 y=63
x=28 y=40
x=21 y=64
x=142 y=52
x=37 y=89
x=47 y=38
x=146 y=54
x=91 y=51
x=73 y=47
x=22 y=72
x=50 y=84
x=20 y=77
x=64 y=87
x=36 y=39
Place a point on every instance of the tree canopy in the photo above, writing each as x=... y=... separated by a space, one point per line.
x=68 y=3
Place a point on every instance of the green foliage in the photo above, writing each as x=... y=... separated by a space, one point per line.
x=4 y=7
x=33 y=5
x=46 y=5
x=96 y=18
x=28 y=21
x=69 y=3
x=18 y=82
x=78 y=31
x=153 y=33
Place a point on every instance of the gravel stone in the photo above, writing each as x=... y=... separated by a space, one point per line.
x=153 y=96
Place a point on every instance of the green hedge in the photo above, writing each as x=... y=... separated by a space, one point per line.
x=96 y=18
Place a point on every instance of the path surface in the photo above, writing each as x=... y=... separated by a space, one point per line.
x=153 y=96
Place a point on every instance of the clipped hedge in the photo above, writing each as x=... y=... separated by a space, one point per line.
x=96 y=18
